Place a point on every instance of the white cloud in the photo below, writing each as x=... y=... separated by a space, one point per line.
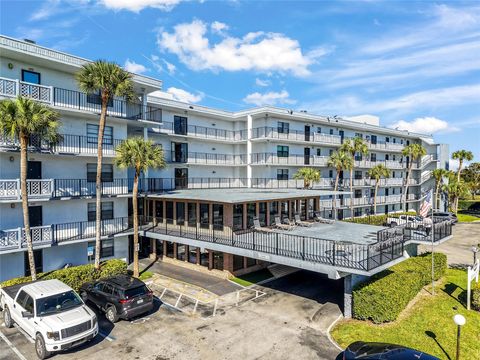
x=170 y=67
x=424 y=125
x=262 y=82
x=218 y=27
x=135 y=68
x=269 y=98
x=185 y=96
x=258 y=51
x=138 y=5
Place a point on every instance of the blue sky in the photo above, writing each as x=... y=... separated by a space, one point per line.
x=416 y=65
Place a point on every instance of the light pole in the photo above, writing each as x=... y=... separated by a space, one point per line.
x=475 y=250
x=459 y=321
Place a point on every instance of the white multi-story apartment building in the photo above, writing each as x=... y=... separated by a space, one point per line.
x=205 y=148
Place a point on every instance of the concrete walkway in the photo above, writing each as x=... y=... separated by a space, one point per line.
x=211 y=283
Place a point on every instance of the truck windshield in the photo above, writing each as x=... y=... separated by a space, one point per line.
x=55 y=304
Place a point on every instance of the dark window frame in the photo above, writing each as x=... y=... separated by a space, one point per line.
x=31 y=72
x=283 y=150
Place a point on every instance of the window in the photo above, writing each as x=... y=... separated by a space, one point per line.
x=283 y=127
x=387 y=139
x=192 y=214
x=237 y=216
x=331 y=131
x=373 y=157
x=31 y=77
x=358 y=135
x=204 y=216
x=319 y=152
x=96 y=98
x=28 y=306
x=92 y=134
x=358 y=175
x=319 y=130
x=282 y=151
x=273 y=211
x=218 y=216
x=107 y=172
x=330 y=152
x=106 y=214
x=180 y=125
x=358 y=194
x=180 y=213
x=106 y=249
x=21 y=298
x=330 y=174
x=282 y=174
x=372 y=193
x=237 y=262
x=159 y=211
x=169 y=211
x=107 y=289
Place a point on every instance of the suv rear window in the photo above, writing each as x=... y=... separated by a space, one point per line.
x=138 y=291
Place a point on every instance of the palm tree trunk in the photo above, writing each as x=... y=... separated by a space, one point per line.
x=26 y=216
x=437 y=188
x=136 y=271
x=98 y=182
x=335 y=196
x=351 y=192
x=375 y=198
x=460 y=163
x=409 y=172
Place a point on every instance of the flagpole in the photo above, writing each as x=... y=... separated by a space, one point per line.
x=433 y=261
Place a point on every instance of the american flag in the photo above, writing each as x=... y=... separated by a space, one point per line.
x=427 y=204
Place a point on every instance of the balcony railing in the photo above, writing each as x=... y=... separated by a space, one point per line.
x=273 y=159
x=390 y=164
x=295 y=135
x=36 y=189
x=60 y=233
x=68 y=145
x=385 y=146
x=72 y=99
x=208 y=158
x=204 y=132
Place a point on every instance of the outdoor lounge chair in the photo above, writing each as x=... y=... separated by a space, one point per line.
x=320 y=219
x=258 y=227
x=300 y=222
x=280 y=226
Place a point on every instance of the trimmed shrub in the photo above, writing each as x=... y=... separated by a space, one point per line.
x=379 y=220
x=469 y=205
x=383 y=297
x=77 y=275
x=476 y=296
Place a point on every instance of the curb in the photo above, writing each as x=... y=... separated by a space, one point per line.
x=330 y=337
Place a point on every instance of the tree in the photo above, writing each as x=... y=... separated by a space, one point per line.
x=309 y=176
x=339 y=160
x=413 y=152
x=455 y=189
x=378 y=172
x=23 y=118
x=140 y=155
x=461 y=155
x=438 y=175
x=471 y=175
x=109 y=80
x=352 y=147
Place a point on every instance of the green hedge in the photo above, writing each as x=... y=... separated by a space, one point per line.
x=77 y=275
x=386 y=294
x=469 y=205
x=476 y=296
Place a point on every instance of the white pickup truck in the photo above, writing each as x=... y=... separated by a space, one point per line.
x=51 y=313
x=410 y=221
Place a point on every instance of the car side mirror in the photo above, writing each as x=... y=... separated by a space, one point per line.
x=27 y=314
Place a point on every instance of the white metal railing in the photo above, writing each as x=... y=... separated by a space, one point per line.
x=10 y=189
x=8 y=87
x=385 y=146
x=425 y=176
x=13 y=88
x=327 y=138
x=15 y=238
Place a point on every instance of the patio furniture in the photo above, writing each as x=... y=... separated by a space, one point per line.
x=280 y=226
x=320 y=219
x=260 y=228
x=300 y=222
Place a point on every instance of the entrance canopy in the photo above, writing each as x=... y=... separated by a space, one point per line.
x=244 y=195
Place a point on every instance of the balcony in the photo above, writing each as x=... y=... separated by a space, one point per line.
x=76 y=100
x=274 y=159
x=36 y=189
x=58 y=234
x=197 y=158
x=380 y=200
x=203 y=132
x=68 y=145
x=385 y=146
x=390 y=164
x=424 y=161
x=295 y=135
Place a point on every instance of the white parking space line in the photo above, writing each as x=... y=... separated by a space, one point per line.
x=24 y=334
x=107 y=337
x=12 y=347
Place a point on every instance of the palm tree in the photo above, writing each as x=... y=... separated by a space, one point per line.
x=140 y=155
x=471 y=175
x=354 y=146
x=378 y=172
x=339 y=160
x=413 y=152
x=23 y=118
x=438 y=175
x=461 y=155
x=108 y=80
x=309 y=176
x=456 y=189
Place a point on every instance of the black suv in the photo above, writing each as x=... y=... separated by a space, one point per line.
x=120 y=297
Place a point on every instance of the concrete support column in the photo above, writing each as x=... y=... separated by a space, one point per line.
x=154 y=212
x=164 y=248
x=228 y=262
x=210 y=259
x=198 y=256
x=244 y=216
x=267 y=217
x=174 y=250
x=249 y=150
x=347 y=296
x=174 y=213
x=153 y=249
x=187 y=253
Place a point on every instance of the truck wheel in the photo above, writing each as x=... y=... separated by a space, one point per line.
x=111 y=314
x=40 y=348
x=7 y=318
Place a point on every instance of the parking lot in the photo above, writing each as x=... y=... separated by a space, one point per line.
x=289 y=321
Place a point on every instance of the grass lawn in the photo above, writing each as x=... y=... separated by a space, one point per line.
x=466 y=218
x=427 y=326
x=145 y=275
x=252 y=278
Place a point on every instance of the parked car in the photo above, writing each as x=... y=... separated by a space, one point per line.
x=49 y=312
x=120 y=297
x=410 y=221
x=377 y=351
x=446 y=216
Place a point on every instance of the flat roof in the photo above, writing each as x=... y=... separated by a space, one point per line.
x=243 y=195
